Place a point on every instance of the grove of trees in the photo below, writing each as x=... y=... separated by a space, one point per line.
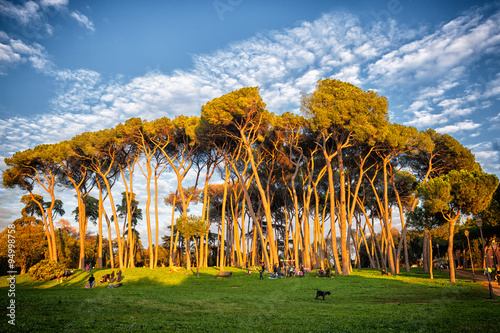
x=312 y=188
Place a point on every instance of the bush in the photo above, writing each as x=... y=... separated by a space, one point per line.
x=47 y=270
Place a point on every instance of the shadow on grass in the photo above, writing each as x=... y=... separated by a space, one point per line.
x=142 y=276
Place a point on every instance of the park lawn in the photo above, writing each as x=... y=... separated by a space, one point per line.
x=159 y=300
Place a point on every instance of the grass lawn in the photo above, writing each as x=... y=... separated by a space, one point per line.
x=158 y=300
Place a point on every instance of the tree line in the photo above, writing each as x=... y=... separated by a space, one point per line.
x=292 y=182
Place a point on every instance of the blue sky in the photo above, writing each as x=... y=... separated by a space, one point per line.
x=67 y=67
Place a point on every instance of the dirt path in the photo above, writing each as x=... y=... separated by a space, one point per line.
x=480 y=278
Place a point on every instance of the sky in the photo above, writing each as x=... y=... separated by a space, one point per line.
x=68 y=67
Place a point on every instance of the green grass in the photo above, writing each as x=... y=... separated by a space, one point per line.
x=162 y=301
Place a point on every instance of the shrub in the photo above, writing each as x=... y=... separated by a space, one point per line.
x=46 y=270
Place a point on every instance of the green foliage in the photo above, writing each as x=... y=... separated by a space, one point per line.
x=341 y=106
x=46 y=270
x=91 y=209
x=491 y=215
x=191 y=226
x=236 y=107
x=469 y=192
x=437 y=196
x=420 y=219
x=68 y=247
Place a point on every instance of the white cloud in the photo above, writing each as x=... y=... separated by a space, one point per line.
x=461 y=126
x=24 y=14
x=33 y=16
x=426 y=119
x=14 y=51
x=54 y=3
x=459 y=42
x=488 y=155
x=493 y=87
x=83 y=20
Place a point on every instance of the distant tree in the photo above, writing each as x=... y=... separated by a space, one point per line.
x=67 y=244
x=191 y=227
x=130 y=212
x=30 y=242
x=457 y=193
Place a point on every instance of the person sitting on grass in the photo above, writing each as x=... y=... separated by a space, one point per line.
x=104 y=278
x=320 y=273
x=111 y=285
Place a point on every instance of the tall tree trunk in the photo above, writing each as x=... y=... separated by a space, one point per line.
x=425 y=250
x=430 y=257
x=243 y=233
x=346 y=260
x=390 y=244
x=110 y=240
x=157 y=229
x=51 y=225
x=452 y=222
x=99 y=249
x=171 y=264
x=331 y=189
x=237 y=241
x=223 y=220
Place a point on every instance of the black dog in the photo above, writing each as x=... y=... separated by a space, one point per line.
x=320 y=293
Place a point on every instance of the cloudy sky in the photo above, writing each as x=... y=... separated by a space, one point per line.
x=67 y=67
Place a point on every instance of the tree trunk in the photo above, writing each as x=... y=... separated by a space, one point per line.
x=99 y=249
x=148 y=217
x=425 y=251
x=187 y=241
x=390 y=244
x=157 y=223
x=171 y=263
x=110 y=240
x=343 y=214
x=450 y=247
x=223 y=220
x=430 y=258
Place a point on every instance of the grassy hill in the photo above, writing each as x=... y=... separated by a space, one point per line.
x=165 y=301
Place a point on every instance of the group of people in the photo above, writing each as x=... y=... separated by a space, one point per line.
x=110 y=278
x=324 y=273
x=286 y=271
x=65 y=275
